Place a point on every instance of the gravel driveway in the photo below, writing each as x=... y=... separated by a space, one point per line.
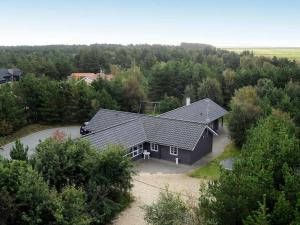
x=33 y=139
x=146 y=188
x=154 y=175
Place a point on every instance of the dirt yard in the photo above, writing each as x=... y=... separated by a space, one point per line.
x=146 y=190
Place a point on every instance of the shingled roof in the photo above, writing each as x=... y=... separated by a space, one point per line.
x=7 y=75
x=127 y=134
x=203 y=111
x=164 y=131
x=106 y=118
x=181 y=127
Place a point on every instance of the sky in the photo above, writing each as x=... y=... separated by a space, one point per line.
x=222 y=23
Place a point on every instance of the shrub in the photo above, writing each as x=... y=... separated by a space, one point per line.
x=170 y=209
x=104 y=175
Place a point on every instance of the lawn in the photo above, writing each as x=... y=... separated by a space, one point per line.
x=212 y=169
x=32 y=128
x=291 y=53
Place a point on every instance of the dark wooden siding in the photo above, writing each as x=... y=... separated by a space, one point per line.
x=153 y=153
x=203 y=147
x=216 y=125
x=183 y=155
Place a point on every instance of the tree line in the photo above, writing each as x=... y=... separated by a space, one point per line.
x=156 y=73
x=43 y=100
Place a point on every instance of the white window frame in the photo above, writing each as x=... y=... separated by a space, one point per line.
x=173 y=149
x=154 y=147
x=135 y=151
x=140 y=149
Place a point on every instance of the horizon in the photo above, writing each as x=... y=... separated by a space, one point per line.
x=230 y=24
x=158 y=44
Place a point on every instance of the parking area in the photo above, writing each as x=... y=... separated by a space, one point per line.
x=34 y=139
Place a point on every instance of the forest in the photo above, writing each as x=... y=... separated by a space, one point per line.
x=142 y=72
x=262 y=95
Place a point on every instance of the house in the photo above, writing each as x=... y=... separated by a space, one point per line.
x=183 y=135
x=10 y=75
x=90 y=77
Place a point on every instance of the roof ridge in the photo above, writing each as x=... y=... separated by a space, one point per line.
x=181 y=120
x=97 y=131
x=193 y=103
x=120 y=111
x=138 y=118
x=139 y=115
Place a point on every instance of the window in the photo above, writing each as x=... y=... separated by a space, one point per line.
x=154 y=147
x=140 y=149
x=135 y=151
x=173 y=150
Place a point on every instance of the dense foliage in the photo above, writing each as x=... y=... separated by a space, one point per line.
x=66 y=182
x=268 y=168
x=73 y=184
x=141 y=72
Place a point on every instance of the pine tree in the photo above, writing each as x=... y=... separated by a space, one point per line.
x=19 y=152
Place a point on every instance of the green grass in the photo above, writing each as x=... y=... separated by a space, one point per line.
x=211 y=171
x=291 y=53
x=32 y=128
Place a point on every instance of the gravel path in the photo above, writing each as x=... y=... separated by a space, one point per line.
x=33 y=139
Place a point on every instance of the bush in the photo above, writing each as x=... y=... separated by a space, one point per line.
x=74 y=206
x=26 y=197
x=105 y=176
x=170 y=209
x=63 y=163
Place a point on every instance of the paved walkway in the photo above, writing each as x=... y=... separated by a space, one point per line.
x=154 y=175
x=219 y=143
x=34 y=139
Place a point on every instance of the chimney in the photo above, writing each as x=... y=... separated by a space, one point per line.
x=188 y=100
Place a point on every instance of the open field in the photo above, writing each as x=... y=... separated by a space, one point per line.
x=291 y=53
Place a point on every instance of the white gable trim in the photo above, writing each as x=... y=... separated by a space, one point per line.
x=208 y=128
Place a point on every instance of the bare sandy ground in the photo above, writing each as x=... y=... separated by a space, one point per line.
x=146 y=190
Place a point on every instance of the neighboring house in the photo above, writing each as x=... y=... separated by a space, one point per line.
x=10 y=75
x=90 y=77
x=184 y=134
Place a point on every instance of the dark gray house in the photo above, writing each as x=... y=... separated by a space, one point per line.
x=184 y=134
x=10 y=75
